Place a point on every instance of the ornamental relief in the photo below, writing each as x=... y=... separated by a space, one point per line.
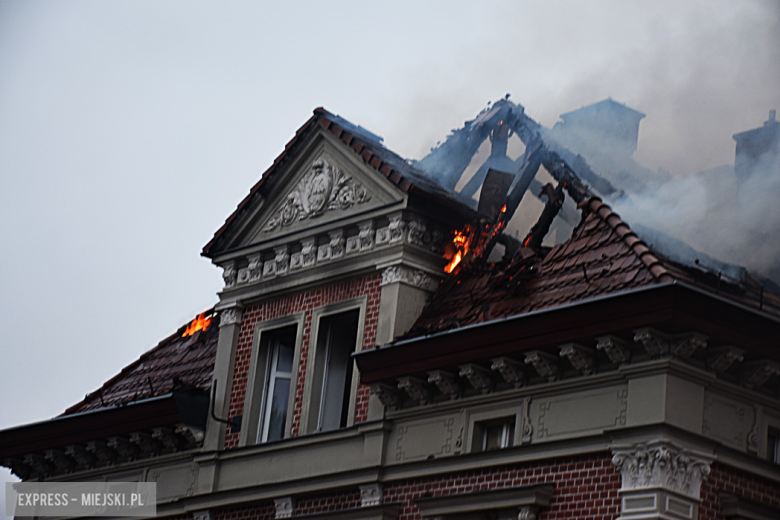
x=323 y=188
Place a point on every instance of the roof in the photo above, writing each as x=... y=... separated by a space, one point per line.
x=176 y=364
x=362 y=142
x=603 y=256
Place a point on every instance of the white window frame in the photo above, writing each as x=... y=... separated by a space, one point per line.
x=316 y=363
x=258 y=382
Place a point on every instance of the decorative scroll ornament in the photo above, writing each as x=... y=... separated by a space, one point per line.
x=581 y=358
x=661 y=464
x=546 y=365
x=616 y=349
x=370 y=494
x=229 y=274
x=659 y=344
x=723 y=357
x=407 y=275
x=322 y=188
x=510 y=370
x=415 y=388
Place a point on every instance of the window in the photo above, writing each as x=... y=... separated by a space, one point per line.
x=493 y=435
x=773 y=446
x=330 y=389
x=336 y=338
x=281 y=349
x=273 y=370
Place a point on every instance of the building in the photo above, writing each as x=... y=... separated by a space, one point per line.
x=372 y=357
x=758 y=149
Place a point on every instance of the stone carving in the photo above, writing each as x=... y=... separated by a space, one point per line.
x=353 y=245
x=752 y=436
x=336 y=244
x=123 y=447
x=415 y=388
x=366 y=235
x=62 y=462
x=190 y=434
x=721 y=358
x=39 y=464
x=661 y=464
x=147 y=444
x=102 y=452
x=322 y=188
x=445 y=382
x=382 y=236
x=546 y=365
x=659 y=344
x=526 y=513
x=281 y=260
x=478 y=377
x=402 y=273
x=435 y=238
x=616 y=349
x=284 y=507
x=83 y=458
x=387 y=395
x=255 y=268
x=396 y=228
x=370 y=494
x=309 y=251
x=323 y=253
x=528 y=428
x=18 y=467
x=758 y=372
x=230 y=316
x=416 y=233
x=167 y=438
x=510 y=370
x=229 y=275
x=296 y=261
x=581 y=358
x=203 y=514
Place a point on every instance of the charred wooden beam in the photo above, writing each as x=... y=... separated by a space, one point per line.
x=555 y=198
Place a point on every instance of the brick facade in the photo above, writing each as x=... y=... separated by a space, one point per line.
x=302 y=302
x=735 y=482
x=586 y=488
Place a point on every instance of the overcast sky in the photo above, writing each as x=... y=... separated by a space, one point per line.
x=130 y=130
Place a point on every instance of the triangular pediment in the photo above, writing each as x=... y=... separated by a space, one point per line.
x=327 y=181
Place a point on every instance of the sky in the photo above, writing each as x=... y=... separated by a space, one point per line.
x=129 y=131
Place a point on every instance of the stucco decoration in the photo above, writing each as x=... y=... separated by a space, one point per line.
x=758 y=372
x=409 y=276
x=370 y=494
x=415 y=388
x=510 y=370
x=396 y=228
x=661 y=464
x=616 y=349
x=229 y=275
x=366 y=235
x=721 y=358
x=478 y=377
x=416 y=232
x=657 y=343
x=546 y=365
x=336 y=244
x=527 y=513
x=445 y=382
x=387 y=395
x=284 y=507
x=581 y=358
x=230 y=316
x=323 y=188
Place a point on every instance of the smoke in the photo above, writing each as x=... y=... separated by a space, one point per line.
x=736 y=221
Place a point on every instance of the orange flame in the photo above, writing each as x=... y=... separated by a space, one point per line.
x=460 y=241
x=199 y=323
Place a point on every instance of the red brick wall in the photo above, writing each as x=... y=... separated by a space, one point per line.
x=737 y=483
x=303 y=302
x=586 y=488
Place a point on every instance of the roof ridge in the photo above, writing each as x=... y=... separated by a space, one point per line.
x=638 y=246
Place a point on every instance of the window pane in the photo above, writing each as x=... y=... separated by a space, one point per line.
x=285 y=360
x=494 y=437
x=278 y=414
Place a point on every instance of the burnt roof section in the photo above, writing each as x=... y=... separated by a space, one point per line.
x=362 y=142
x=603 y=256
x=183 y=364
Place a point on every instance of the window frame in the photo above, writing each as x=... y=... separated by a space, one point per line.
x=258 y=377
x=494 y=413
x=315 y=368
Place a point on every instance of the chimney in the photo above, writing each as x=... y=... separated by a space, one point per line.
x=771 y=120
